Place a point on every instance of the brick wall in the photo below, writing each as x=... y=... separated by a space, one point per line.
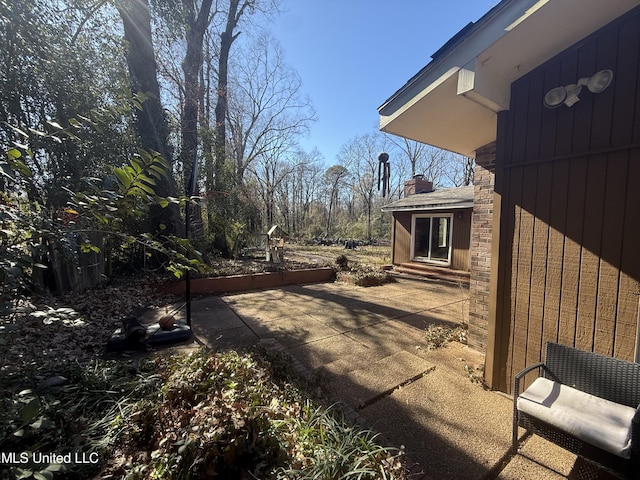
x=481 y=231
x=417 y=185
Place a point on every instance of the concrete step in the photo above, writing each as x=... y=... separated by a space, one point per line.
x=416 y=271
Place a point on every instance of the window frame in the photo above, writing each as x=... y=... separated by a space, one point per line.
x=423 y=259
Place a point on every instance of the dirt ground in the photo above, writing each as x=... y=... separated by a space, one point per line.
x=300 y=256
x=374 y=255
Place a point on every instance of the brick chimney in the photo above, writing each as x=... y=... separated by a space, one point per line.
x=417 y=185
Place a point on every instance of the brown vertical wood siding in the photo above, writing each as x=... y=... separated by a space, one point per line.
x=569 y=268
x=402 y=240
x=460 y=241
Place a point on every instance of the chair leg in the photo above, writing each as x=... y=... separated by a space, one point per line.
x=514 y=433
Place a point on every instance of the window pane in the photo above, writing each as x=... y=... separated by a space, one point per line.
x=421 y=237
x=440 y=238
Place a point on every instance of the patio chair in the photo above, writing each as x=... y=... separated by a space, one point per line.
x=585 y=403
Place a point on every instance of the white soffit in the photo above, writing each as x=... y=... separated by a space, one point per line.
x=453 y=102
x=446 y=117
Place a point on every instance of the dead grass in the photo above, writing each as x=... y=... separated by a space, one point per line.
x=372 y=255
x=299 y=256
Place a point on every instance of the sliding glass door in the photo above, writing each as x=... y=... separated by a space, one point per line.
x=431 y=238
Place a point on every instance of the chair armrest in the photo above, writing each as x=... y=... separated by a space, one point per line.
x=516 y=391
x=516 y=380
x=528 y=369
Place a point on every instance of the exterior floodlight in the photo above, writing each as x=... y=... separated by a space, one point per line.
x=569 y=95
x=555 y=97
x=600 y=81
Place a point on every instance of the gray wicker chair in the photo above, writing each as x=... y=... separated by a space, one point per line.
x=605 y=377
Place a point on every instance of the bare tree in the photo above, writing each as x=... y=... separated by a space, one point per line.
x=334 y=178
x=265 y=104
x=414 y=151
x=360 y=156
x=229 y=35
x=425 y=160
x=305 y=187
x=400 y=172
x=298 y=189
x=270 y=171
x=460 y=170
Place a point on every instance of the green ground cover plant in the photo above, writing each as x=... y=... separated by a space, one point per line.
x=201 y=415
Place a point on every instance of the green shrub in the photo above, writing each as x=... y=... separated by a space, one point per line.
x=330 y=448
x=187 y=416
x=240 y=416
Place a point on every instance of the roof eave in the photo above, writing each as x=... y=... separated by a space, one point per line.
x=453 y=102
x=463 y=39
x=436 y=207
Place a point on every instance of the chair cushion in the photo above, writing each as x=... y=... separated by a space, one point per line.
x=593 y=420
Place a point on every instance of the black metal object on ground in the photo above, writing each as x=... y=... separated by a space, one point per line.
x=135 y=336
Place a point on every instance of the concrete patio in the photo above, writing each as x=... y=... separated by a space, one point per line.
x=366 y=348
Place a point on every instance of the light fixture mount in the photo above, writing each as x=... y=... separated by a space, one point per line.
x=570 y=94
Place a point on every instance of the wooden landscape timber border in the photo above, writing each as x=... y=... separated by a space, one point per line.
x=254 y=281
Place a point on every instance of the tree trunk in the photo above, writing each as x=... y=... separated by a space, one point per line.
x=369 y=205
x=196 y=26
x=329 y=213
x=205 y=121
x=191 y=67
x=226 y=40
x=220 y=183
x=151 y=122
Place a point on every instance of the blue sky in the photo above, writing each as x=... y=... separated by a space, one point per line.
x=352 y=55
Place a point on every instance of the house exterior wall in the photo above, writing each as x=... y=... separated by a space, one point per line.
x=567 y=178
x=401 y=241
x=461 y=240
x=480 y=251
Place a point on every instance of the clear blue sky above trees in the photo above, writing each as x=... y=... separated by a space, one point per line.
x=354 y=54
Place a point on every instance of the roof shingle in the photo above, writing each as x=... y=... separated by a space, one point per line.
x=446 y=198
